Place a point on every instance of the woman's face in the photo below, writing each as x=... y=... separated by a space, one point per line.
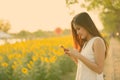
x=81 y=31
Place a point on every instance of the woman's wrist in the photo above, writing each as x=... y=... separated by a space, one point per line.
x=74 y=53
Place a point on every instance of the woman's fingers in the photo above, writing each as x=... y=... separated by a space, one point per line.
x=65 y=49
x=67 y=52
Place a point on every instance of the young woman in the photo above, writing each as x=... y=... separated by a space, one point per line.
x=90 y=49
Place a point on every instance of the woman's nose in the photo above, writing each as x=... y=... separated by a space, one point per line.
x=78 y=32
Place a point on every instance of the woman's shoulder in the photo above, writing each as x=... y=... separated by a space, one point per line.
x=96 y=38
x=98 y=41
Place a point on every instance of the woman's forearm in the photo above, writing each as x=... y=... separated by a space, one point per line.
x=90 y=64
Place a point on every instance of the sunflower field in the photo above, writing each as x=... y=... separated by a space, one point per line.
x=39 y=59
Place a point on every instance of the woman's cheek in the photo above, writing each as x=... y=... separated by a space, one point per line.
x=82 y=36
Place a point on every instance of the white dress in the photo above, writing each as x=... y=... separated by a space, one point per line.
x=83 y=72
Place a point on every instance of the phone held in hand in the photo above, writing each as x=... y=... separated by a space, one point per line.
x=65 y=49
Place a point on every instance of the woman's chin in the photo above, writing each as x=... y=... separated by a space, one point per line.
x=82 y=37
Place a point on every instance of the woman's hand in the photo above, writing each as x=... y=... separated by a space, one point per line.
x=72 y=52
x=69 y=53
x=65 y=50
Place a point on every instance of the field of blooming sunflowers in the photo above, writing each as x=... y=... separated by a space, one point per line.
x=40 y=59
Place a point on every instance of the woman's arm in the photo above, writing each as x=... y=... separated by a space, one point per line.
x=99 y=50
x=72 y=57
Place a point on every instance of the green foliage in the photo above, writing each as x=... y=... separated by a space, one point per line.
x=24 y=33
x=66 y=31
x=69 y=65
x=39 y=34
x=109 y=21
x=70 y=2
x=109 y=12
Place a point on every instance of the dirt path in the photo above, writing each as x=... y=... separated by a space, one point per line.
x=112 y=64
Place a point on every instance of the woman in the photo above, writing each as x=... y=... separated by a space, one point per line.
x=90 y=49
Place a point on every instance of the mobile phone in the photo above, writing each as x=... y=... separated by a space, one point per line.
x=63 y=47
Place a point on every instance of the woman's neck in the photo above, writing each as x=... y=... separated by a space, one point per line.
x=89 y=37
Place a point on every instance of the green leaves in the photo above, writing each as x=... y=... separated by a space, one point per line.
x=109 y=12
x=69 y=2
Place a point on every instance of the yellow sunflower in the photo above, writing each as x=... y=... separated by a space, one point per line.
x=24 y=70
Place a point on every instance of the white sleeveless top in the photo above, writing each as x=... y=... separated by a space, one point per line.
x=83 y=72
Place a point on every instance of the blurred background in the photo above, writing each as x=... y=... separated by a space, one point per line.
x=32 y=30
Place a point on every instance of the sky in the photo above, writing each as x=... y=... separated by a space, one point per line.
x=46 y=15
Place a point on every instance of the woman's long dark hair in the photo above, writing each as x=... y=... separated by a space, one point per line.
x=84 y=20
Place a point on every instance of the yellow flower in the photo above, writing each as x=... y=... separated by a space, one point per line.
x=4 y=64
x=15 y=62
x=42 y=59
x=1 y=58
x=34 y=58
x=47 y=60
x=10 y=56
x=31 y=62
x=24 y=70
x=14 y=66
x=17 y=55
x=29 y=66
x=53 y=59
